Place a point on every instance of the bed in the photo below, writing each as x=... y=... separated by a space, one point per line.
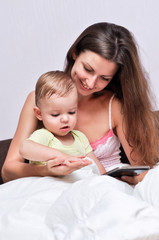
x=83 y=205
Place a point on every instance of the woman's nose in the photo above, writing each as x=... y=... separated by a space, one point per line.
x=91 y=82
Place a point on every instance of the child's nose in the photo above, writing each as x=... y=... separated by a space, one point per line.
x=64 y=118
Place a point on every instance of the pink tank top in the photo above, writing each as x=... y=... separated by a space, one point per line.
x=106 y=148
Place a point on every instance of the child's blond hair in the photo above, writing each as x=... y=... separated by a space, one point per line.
x=53 y=82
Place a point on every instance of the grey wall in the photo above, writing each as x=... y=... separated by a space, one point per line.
x=36 y=34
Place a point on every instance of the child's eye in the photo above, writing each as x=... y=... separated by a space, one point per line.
x=73 y=112
x=55 y=115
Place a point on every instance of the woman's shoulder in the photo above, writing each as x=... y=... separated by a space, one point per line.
x=31 y=95
x=30 y=100
x=109 y=99
x=116 y=110
x=116 y=103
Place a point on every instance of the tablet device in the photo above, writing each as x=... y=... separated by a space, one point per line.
x=127 y=171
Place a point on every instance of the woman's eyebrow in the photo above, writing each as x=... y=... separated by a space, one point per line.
x=94 y=70
x=85 y=63
x=107 y=75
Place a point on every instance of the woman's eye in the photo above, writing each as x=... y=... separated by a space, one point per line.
x=106 y=79
x=87 y=69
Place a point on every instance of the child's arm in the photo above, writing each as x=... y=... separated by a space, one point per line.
x=38 y=152
x=35 y=151
x=99 y=165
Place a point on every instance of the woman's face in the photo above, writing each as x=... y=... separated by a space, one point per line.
x=92 y=73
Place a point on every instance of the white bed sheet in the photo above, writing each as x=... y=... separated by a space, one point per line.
x=81 y=206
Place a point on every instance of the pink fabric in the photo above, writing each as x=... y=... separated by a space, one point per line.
x=102 y=140
x=107 y=147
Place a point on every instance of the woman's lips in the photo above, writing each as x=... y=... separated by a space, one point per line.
x=85 y=87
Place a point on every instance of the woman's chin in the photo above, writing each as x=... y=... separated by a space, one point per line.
x=85 y=94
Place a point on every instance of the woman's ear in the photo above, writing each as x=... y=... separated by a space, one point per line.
x=37 y=113
x=74 y=55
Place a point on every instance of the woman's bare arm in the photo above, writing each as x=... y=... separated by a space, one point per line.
x=117 y=119
x=99 y=165
x=14 y=166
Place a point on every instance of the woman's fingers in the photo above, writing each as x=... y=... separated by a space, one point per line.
x=131 y=180
x=59 y=168
x=134 y=179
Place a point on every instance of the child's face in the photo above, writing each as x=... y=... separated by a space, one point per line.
x=59 y=114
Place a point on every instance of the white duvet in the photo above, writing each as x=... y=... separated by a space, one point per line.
x=81 y=206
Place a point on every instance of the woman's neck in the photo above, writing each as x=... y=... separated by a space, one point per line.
x=84 y=99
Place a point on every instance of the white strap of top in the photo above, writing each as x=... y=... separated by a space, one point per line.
x=110 y=115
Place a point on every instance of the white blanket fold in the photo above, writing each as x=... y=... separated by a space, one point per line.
x=81 y=206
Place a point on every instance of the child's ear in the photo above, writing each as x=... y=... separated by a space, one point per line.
x=37 y=113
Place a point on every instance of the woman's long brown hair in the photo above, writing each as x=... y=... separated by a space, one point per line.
x=130 y=84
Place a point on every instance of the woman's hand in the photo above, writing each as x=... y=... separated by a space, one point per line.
x=65 y=165
x=134 y=179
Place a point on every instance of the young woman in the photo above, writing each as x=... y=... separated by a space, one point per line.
x=114 y=106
